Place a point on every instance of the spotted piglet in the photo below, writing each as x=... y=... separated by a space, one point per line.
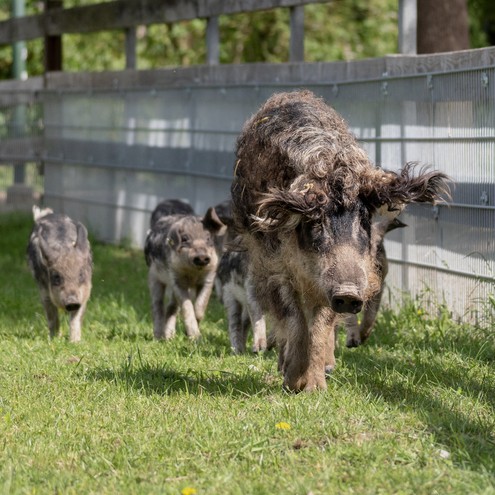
x=59 y=255
x=180 y=253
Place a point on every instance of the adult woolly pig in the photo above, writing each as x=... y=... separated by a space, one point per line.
x=304 y=196
x=59 y=255
x=180 y=253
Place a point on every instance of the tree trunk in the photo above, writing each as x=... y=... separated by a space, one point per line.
x=442 y=26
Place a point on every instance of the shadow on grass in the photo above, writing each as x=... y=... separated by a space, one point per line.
x=162 y=381
x=419 y=383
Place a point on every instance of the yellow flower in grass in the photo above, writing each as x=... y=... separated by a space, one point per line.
x=188 y=490
x=283 y=426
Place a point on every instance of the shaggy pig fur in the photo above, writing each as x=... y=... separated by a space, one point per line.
x=304 y=196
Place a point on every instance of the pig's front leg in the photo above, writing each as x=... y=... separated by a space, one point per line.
x=51 y=312
x=171 y=315
x=309 y=350
x=157 y=291
x=257 y=320
x=204 y=296
x=369 y=316
x=353 y=338
x=187 y=307
x=357 y=333
x=76 y=323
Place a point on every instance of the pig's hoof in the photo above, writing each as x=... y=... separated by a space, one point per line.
x=259 y=346
x=306 y=383
x=329 y=370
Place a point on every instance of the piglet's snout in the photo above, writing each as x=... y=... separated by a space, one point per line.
x=201 y=259
x=72 y=304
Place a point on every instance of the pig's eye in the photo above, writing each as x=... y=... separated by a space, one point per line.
x=185 y=239
x=56 y=279
x=311 y=235
x=82 y=277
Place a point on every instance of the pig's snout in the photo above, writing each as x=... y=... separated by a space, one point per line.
x=201 y=260
x=72 y=304
x=348 y=282
x=346 y=303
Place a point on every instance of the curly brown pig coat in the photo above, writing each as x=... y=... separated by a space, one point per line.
x=304 y=196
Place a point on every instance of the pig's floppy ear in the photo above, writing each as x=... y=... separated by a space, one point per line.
x=212 y=223
x=173 y=237
x=39 y=245
x=397 y=189
x=285 y=209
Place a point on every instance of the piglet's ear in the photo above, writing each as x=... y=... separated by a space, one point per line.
x=397 y=189
x=82 y=242
x=212 y=223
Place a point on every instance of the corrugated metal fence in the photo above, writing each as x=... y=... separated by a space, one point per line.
x=114 y=144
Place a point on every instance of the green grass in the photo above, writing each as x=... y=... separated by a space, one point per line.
x=410 y=412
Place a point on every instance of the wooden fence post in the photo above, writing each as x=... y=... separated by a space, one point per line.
x=212 y=41
x=130 y=48
x=53 y=44
x=296 y=34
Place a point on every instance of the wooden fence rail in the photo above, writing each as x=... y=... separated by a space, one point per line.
x=128 y=14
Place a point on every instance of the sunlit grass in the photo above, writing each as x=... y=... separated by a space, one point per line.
x=410 y=412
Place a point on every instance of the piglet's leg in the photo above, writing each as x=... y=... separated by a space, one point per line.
x=157 y=291
x=51 y=312
x=234 y=315
x=187 y=307
x=171 y=317
x=204 y=296
x=257 y=321
x=76 y=323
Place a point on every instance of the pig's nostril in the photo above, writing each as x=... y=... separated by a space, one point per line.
x=356 y=306
x=346 y=304
x=201 y=260
x=72 y=307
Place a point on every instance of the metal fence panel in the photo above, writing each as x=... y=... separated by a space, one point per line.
x=113 y=146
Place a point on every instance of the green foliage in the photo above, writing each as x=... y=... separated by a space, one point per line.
x=337 y=30
x=255 y=37
x=481 y=22
x=351 y=29
x=410 y=412
x=178 y=44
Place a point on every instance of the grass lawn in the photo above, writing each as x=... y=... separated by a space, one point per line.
x=410 y=412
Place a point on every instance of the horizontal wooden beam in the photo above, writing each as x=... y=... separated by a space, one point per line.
x=123 y=14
